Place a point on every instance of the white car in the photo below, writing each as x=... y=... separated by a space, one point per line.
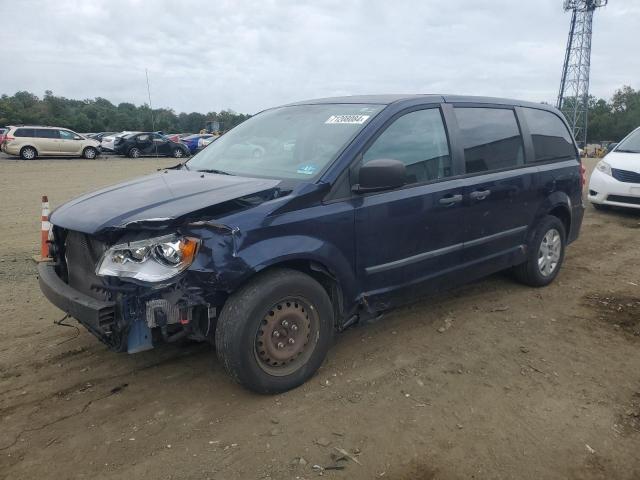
x=616 y=178
x=107 y=143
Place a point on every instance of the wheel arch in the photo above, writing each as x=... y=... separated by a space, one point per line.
x=319 y=271
x=558 y=204
x=563 y=213
x=320 y=260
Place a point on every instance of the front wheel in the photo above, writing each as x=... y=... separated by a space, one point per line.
x=90 y=153
x=545 y=253
x=274 y=333
x=178 y=153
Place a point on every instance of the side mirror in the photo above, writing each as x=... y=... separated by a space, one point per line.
x=77 y=137
x=380 y=174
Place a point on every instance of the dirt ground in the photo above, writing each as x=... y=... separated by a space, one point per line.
x=492 y=381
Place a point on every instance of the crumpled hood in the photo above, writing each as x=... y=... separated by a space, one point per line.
x=624 y=161
x=162 y=196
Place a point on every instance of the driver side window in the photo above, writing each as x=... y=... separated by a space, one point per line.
x=417 y=139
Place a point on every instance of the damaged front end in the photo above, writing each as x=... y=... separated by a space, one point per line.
x=142 y=262
x=132 y=294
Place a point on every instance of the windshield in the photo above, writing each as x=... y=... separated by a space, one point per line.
x=288 y=142
x=631 y=144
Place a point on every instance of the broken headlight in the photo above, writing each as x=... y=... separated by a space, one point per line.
x=151 y=260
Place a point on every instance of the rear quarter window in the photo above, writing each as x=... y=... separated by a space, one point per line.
x=24 y=132
x=551 y=139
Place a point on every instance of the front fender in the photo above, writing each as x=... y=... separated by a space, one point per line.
x=277 y=250
x=227 y=262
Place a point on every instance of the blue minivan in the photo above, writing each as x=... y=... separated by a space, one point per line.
x=310 y=217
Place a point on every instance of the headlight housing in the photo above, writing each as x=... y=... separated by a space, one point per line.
x=604 y=167
x=151 y=260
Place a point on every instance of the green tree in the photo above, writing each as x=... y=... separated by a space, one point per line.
x=99 y=114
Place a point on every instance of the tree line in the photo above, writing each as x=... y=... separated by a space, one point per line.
x=100 y=115
x=608 y=119
x=613 y=119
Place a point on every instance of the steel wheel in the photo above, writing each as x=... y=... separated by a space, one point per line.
x=549 y=252
x=284 y=338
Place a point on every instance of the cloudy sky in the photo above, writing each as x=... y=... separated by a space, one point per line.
x=251 y=54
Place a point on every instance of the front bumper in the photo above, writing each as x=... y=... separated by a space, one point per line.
x=606 y=190
x=99 y=317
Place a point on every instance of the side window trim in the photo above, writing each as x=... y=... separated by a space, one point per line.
x=525 y=133
x=454 y=137
x=355 y=164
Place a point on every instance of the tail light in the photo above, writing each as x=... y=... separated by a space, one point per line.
x=583 y=174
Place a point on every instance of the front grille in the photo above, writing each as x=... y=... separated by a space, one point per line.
x=82 y=253
x=624 y=199
x=626 y=176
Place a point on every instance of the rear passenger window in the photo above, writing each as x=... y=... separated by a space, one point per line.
x=24 y=132
x=551 y=139
x=47 y=133
x=491 y=139
x=418 y=140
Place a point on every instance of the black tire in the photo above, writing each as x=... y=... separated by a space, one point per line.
x=178 y=153
x=134 y=153
x=89 y=153
x=530 y=272
x=28 y=153
x=240 y=330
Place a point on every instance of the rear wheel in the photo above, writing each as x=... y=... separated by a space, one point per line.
x=274 y=333
x=134 y=152
x=28 y=153
x=90 y=153
x=178 y=153
x=545 y=252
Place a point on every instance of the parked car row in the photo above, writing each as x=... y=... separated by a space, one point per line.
x=140 y=144
x=33 y=141
x=124 y=143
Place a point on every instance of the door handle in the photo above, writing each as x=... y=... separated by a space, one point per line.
x=450 y=200
x=480 y=194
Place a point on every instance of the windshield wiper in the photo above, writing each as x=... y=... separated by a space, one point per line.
x=213 y=170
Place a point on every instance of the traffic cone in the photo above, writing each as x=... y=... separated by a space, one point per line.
x=44 y=232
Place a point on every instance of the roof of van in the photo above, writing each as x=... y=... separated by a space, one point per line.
x=389 y=99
